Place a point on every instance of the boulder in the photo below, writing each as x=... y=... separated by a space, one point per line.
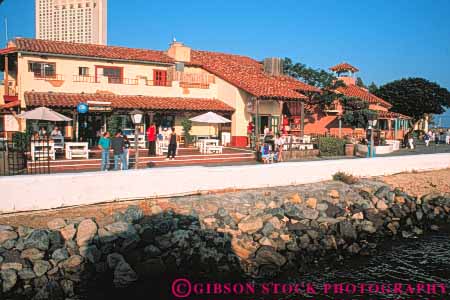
x=86 y=232
x=124 y=275
x=6 y=235
x=347 y=230
x=37 y=239
x=311 y=203
x=56 y=224
x=122 y=229
x=60 y=255
x=250 y=224
x=41 y=267
x=268 y=255
x=133 y=214
x=68 y=232
x=9 y=279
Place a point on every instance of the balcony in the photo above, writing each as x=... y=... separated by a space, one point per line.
x=85 y=79
x=193 y=80
x=49 y=77
x=11 y=94
x=158 y=83
x=112 y=80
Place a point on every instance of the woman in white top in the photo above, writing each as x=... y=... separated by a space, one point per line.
x=279 y=143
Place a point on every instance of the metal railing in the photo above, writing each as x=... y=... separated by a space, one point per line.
x=159 y=83
x=48 y=77
x=85 y=79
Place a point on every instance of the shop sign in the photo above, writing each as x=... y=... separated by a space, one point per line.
x=82 y=108
x=99 y=106
x=250 y=105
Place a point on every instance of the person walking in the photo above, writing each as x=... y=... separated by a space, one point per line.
x=250 y=128
x=279 y=144
x=151 y=138
x=411 y=141
x=126 y=151
x=118 y=145
x=172 y=149
x=104 y=144
x=427 y=139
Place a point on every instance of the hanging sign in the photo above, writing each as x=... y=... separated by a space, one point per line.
x=99 y=106
x=250 y=105
x=82 y=108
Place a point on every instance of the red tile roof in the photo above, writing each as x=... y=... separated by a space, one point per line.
x=68 y=100
x=90 y=50
x=248 y=74
x=343 y=67
x=352 y=90
x=391 y=115
x=241 y=71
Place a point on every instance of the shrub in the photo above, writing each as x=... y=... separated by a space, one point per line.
x=330 y=146
x=345 y=178
x=187 y=126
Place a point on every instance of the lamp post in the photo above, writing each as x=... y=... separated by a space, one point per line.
x=136 y=117
x=372 y=123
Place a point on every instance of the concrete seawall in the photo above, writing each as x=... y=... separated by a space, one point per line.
x=35 y=192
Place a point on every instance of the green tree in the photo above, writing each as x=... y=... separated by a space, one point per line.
x=321 y=79
x=356 y=112
x=187 y=126
x=415 y=97
x=373 y=88
x=360 y=82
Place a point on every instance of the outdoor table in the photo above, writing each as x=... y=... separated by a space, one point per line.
x=206 y=143
x=42 y=150
x=77 y=149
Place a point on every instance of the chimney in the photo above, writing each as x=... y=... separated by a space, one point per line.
x=348 y=80
x=273 y=66
x=179 y=52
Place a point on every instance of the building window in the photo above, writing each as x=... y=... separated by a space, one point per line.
x=160 y=77
x=42 y=69
x=114 y=74
x=83 y=71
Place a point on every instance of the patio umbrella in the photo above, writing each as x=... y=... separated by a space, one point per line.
x=44 y=113
x=211 y=118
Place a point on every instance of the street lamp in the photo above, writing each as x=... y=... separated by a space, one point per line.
x=372 y=123
x=136 y=117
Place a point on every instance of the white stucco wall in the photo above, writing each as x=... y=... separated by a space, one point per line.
x=34 y=192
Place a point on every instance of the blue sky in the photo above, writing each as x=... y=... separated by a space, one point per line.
x=386 y=40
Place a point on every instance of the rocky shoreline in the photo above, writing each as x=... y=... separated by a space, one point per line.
x=252 y=234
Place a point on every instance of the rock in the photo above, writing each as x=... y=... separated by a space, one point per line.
x=419 y=215
x=113 y=260
x=86 y=232
x=156 y=210
x=133 y=214
x=264 y=241
x=6 y=228
x=267 y=229
x=26 y=274
x=68 y=287
x=124 y=275
x=122 y=229
x=105 y=236
x=276 y=223
x=9 y=279
x=37 y=239
x=12 y=265
x=407 y=234
x=32 y=254
x=310 y=214
x=329 y=242
x=73 y=263
x=210 y=222
x=347 y=230
x=91 y=253
x=68 y=232
x=322 y=206
x=51 y=290
x=358 y=216
x=296 y=199
x=244 y=247
x=330 y=221
x=311 y=203
x=382 y=192
x=152 y=251
x=399 y=200
x=268 y=255
x=434 y=227
x=41 y=267
x=23 y=231
x=60 y=255
x=333 y=211
x=9 y=244
x=56 y=224
x=250 y=224
x=334 y=194
x=367 y=226
x=6 y=235
x=381 y=205
x=354 y=248
x=392 y=228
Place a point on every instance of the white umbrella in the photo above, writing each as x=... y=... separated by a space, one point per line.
x=211 y=118
x=44 y=113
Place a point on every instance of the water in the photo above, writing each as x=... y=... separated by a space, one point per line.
x=423 y=260
x=406 y=261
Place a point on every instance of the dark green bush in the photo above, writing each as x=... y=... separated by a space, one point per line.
x=345 y=178
x=330 y=146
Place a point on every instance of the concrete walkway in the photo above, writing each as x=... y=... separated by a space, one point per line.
x=35 y=192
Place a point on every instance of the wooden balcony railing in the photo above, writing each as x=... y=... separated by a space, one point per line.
x=48 y=77
x=159 y=82
x=85 y=79
x=193 y=80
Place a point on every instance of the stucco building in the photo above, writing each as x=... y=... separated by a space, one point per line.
x=167 y=85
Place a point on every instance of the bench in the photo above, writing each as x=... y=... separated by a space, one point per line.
x=77 y=149
x=214 y=149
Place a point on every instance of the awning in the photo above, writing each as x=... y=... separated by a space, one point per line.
x=68 y=100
